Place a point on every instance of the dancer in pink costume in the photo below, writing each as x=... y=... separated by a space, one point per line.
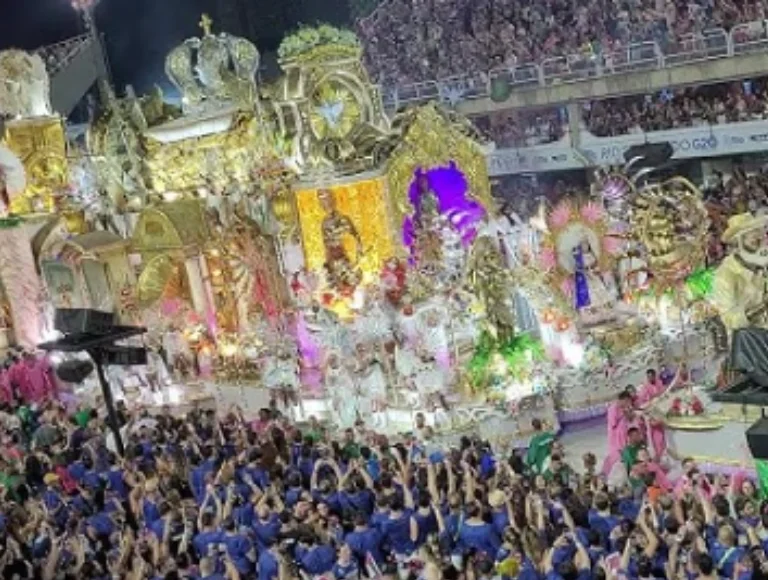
x=621 y=417
x=34 y=378
x=649 y=392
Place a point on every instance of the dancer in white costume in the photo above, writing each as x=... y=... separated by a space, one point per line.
x=429 y=378
x=326 y=329
x=374 y=325
x=372 y=385
x=345 y=396
x=432 y=334
x=281 y=377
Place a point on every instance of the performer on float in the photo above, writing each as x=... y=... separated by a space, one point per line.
x=344 y=395
x=590 y=291
x=426 y=244
x=406 y=364
x=431 y=380
x=490 y=283
x=342 y=269
x=621 y=417
x=372 y=385
x=281 y=377
x=393 y=280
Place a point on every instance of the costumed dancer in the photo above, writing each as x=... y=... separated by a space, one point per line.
x=433 y=335
x=344 y=396
x=281 y=377
x=372 y=385
x=406 y=365
x=646 y=401
x=621 y=418
x=590 y=291
x=373 y=328
x=431 y=382
x=393 y=280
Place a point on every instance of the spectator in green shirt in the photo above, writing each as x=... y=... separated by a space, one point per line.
x=629 y=453
x=351 y=449
x=539 y=448
x=558 y=471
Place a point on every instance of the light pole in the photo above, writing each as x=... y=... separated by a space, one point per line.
x=86 y=9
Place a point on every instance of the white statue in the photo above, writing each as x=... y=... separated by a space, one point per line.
x=24 y=85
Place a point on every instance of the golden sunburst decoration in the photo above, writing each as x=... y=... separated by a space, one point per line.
x=671 y=221
x=335 y=111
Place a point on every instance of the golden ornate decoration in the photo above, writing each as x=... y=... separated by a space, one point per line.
x=431 y=139
x=672 y=222
x=326 y=106
x=218 y=160
x=159 y=277
x=335 y=111
x=206 y=24
x=214 y=71
x=365 y=203
x=178 y=225
x=41 y=146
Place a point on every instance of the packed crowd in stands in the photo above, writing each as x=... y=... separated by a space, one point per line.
x=520 y=195
x=716 y=104
x=684 y=107
x=524 y=128
x=213 y=496
x=414 y=40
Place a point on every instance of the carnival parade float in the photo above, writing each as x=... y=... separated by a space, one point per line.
x=295 y=238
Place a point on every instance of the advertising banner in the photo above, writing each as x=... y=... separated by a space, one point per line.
x=591 y=151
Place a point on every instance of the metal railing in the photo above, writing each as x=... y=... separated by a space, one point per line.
x=708 y=45
x=57 y=56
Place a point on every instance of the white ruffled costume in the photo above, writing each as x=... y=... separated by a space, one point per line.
x=345 y=398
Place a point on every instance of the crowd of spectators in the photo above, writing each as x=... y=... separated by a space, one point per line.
x=521 y=195
x=685 y=107
x=716 y=104
x=408 y=41
x=524 y=128
x=209 y=497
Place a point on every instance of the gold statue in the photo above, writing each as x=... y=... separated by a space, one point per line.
x=490 y=282
x=342 y=268
x=739 y=288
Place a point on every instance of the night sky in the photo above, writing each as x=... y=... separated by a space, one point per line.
x=139 y=33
